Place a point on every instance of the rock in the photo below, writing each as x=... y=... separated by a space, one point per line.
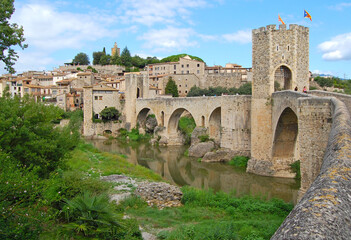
x=159 y=194
x=163 y=141
x=223 y=155
x=150 y=124
x=200 y=149
x=198 y=131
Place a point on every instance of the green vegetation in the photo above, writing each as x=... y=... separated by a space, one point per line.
x=208 y=215
x=133 y=135
x=175 y=58
x=171 y=88
x=186 y=125
x=81 y=58
x=295 y=167
x=11 y=35
x=109 y=114
x=334 y=82
x=195 y=91
x=204 y=138
x=239 y=161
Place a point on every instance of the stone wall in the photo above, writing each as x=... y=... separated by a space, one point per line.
x=324 y=212
x=346 y=99
x=228 y=80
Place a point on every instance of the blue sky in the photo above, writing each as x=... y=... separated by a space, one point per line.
x=218 y=31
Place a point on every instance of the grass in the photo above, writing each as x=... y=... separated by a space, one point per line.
x=209 y=215
x=88 y=159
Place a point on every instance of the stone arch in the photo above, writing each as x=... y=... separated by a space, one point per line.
x=174 y=119
x=107 y=131
x=285 y=137
x=283 y=75
x=142 y=116
x=215 y=124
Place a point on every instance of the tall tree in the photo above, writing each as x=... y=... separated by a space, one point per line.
x=105 y=59
x=10 y=35
x=171 y=88
x=81 y=58
x=104 y=50
x=126 y=58
x=96 y=57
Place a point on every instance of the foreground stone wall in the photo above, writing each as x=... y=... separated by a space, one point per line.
x=342 y=97
x=325 y=210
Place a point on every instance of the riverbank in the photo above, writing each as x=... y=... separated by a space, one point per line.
x=203 y=213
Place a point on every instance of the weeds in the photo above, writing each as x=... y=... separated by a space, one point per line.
x=239 y=161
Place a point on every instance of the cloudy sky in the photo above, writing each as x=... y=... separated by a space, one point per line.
x=218 y=31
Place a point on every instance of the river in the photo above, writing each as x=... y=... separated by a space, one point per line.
x=170 y=163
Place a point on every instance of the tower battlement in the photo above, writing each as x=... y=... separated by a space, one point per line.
x=282 y=27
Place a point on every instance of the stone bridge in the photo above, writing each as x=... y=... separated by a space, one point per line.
x=226 y=118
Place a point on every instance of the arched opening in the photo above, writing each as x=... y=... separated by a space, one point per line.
x=162 y=118
x=285 y=136
x=138 y=92
x=107 y=132
x=215 y=125
x=146 y=120
x=203 y=121
x=282 y=79
x=180 y=126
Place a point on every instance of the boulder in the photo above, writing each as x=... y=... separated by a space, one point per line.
x=223 y=155
x=198 y=131
x=200 y=149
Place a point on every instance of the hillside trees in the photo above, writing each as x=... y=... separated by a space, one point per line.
x=126 y=58
x=11 y=35
x=81 y=58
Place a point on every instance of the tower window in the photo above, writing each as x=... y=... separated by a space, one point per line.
x=288 y=48
x=277 y=48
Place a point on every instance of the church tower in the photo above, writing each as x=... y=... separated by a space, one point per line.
x=115 y=50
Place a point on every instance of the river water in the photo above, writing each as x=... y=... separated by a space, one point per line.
x=170 y=163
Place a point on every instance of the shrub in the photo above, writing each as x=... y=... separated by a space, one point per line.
x=239 y=161
x=295 y=167
x=204 y=138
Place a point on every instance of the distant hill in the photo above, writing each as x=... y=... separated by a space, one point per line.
x=175 y=58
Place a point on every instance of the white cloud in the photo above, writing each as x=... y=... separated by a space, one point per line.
x=158 y=11
x=338 y=48
x=168 y=39
x=341 y=6
x=241 y=36
x=50 y=30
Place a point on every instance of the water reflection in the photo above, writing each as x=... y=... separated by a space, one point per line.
x=171 y=163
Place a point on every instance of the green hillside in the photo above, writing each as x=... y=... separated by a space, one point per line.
x=175 y=58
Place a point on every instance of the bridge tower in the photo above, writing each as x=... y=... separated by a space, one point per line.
x=280 y=61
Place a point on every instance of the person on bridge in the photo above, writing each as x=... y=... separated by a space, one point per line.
x=296 y=89
x=304 y=89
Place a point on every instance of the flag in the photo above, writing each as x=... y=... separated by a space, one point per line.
x=280 y=19
x=307 y=15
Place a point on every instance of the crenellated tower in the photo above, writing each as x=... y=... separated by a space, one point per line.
x=280 y=61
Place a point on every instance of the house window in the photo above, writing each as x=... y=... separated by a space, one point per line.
x=187 y=71
x=180 y=85
x=96 y=97
x=175 y=72
x=180 y=91
x=198 y=71
x=182 y=65
x=175 y=67
x=187 y=65
x=186 y=91
x=100 y=97
x=186 y=85
x=182 y=72
x=198 y=65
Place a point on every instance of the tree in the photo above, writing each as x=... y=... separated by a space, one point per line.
x=116 y=60
x=96 y=57
x=10 y=35
x=171 y=88
x=109 y=114
x=105 y=60
x=81 y=59
x=126 y=58
x=27 y=133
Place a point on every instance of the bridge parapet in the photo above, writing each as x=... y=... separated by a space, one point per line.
x=324 y=212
